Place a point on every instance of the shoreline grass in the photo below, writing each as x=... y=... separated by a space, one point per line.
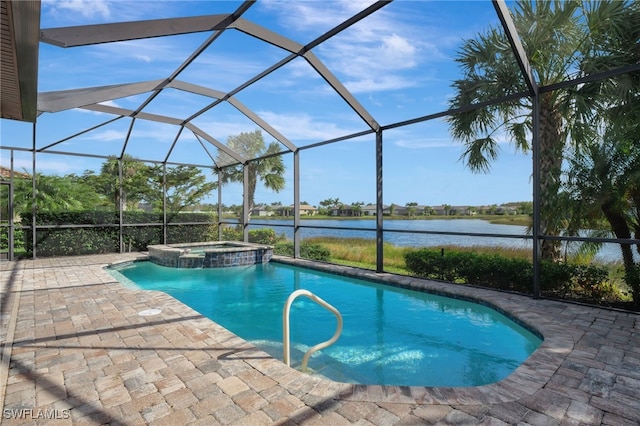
x=361 y=252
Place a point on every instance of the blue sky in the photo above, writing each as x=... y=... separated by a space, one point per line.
x=399 y=63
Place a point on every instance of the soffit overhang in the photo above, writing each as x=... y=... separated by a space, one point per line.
x=20 y=37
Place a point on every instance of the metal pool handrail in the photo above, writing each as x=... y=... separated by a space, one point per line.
x=285 y=326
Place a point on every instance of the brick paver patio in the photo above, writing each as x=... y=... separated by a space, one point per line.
x=76 y=351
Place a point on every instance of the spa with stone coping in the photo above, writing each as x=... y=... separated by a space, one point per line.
x=217 y=254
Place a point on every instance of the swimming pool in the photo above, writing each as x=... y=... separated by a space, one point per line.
x=391 y=335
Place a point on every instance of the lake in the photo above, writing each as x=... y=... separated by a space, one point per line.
x=363 y=229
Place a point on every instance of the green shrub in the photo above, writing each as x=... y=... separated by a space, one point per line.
x=232 y=233
x=308 y=250
x=258 y=236
x=264 y=236
x=508 y=273
x=428 y=263
x=61 y=241
x=578 y=282
x=554 y=277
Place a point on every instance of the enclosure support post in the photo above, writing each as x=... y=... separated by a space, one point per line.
x=379 y=205
x=10 y=208
x=164 y=203
x=33 y=195
x=296 y=204
x=536 y=195
x=120 y=208
x=245 y=203
x=11 y=211
x=218 y=171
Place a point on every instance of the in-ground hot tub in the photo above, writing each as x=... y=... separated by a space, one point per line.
x=218 y=254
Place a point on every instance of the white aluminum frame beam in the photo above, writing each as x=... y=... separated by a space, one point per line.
x=84 y=35
x=518 y=50
x=197 y=89
x=76 y=98
x=131 y=113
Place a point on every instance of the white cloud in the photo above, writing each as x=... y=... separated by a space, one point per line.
x=412 y=140
x=379 y=53
x=423 y=143
x=64 y=165
x=146 y=50
x=221 y=130
x=378 y=83
x=399 y=50
x=107 y=136
x=106 y=103
x=84 y=8
x=307 y=16
x=111 y=104
x=217 y=71
x=301 y=126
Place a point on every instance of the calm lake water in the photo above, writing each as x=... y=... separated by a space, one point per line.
x=515 y=234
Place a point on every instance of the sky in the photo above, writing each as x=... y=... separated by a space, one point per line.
x=399 y=63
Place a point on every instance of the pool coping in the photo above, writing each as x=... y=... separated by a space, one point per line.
x=532 y=375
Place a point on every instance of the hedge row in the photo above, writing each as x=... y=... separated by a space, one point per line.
x=105 y=239
x=259 y=236
x=496 y=271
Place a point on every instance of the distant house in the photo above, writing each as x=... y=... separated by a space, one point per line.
x=341 y=210
x=418 y=210
x=440 y=210
x=445 y=210
x=305 y=210
x=396 y=210
x=371 y=209
x=284 y=210
x=506 y=210
x=262 y=210
x=462 y=210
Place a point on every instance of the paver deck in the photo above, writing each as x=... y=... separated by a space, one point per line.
x=76 y=351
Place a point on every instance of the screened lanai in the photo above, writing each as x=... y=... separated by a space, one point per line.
x=387 y=111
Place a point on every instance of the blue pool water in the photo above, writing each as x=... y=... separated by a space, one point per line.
x=391 y=336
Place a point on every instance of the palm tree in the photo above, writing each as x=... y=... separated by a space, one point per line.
x=556 y=38
x=604 y=182
x=357 y=208
x=411 y=208
x=268 y=168
x=604 y=177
